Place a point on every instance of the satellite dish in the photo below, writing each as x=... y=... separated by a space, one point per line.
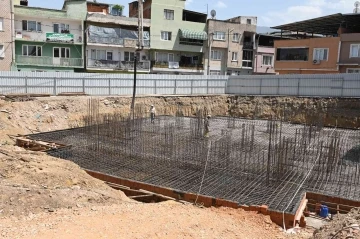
x=213 y=13
x=357 y=5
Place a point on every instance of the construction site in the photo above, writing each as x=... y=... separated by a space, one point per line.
x=245 y=162
x=272 y=159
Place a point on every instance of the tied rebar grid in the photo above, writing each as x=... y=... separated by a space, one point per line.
x=249 y=161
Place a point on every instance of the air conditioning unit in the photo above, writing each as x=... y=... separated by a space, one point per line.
x=316 y=62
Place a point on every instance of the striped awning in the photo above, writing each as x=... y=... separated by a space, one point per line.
x=191 y=34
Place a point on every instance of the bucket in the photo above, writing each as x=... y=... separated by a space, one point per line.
x=324 y=211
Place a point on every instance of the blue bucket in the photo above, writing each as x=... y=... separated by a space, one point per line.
x=324 y=211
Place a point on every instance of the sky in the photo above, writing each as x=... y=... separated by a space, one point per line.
x=269 y=12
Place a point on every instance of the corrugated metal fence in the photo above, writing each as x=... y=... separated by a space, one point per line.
x=108 y=84
x=327 y=85
x=332 y=85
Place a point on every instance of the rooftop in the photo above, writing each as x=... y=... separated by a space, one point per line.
x=327 y=25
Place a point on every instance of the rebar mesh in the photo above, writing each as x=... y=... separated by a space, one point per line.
x=249 y=161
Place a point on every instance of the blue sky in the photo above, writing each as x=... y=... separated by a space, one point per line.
x=269 y=12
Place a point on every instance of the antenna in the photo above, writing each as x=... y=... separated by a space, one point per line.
x=213 y=14
x=357 y=7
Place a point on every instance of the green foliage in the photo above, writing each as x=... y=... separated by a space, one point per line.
x=118 y=7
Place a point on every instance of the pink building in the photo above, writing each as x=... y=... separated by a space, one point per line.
x=264 y=55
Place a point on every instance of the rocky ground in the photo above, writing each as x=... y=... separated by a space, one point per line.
x=45 y=197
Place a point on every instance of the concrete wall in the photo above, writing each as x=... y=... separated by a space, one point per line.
x=133 y=9
x=346 y=41
x=259 y=68
x=307 y=67
x=5 y=35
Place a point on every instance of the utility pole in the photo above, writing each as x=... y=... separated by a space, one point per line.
x=140 y=45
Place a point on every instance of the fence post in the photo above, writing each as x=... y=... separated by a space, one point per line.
x=298 y=87
x=342 y=86
x=175 y=86
x=54 y=90
x=26 y=84
x=278 y=87
x=207 y=84
x=192 y=87
x=155 y=86
x=109 y=86
x=83 y=85
x=261 y=83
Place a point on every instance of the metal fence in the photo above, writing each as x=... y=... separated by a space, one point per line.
x=332 y=85
x=108 y=84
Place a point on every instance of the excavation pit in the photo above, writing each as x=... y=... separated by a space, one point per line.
x=250 y=162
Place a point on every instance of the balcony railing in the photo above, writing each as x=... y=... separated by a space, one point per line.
x=248 y=45
x=178 y=65
x=49 y=61
x=118 y=65
x=47 y=36
x=106 y=40
x=247 y=64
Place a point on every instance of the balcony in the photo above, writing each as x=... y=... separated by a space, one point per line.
x=248 y=45
x=178 y=65
x=47 y=37
x=118 y=65
x=106 y=40
x=49 y=61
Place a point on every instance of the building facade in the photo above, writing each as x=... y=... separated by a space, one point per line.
x=48 y=39
x=349 y=60
x=6 y=33
x=307 y=56
x=231 y=45
x=264 y=55
x=112 y=41
x=177 y=36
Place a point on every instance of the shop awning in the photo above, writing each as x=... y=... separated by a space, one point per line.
x=191 y=34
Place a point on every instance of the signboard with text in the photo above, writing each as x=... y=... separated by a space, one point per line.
x=60 y=37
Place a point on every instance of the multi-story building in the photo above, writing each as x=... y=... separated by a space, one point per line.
x=112 y=40
x=264 y=54
x=230 y=49
x=349 y=60
x=6 y=31
x=177 y=36
x=49 y=39
x=337 y=50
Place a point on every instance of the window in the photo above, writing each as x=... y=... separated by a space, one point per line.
x=194 y=42
x=267 y=60
x=234 y=56
x=61 y=28
x=61 y=52
x=130 y=56
x=248 y=21
x=220 y=36
x=354 y=70
x=28 y=50
x=93 y=54
x=236 y=37
x=355 y=50
x=2 y=51
x=164 y=57
x=166 y=36
x=320 y=54
x=1 y=24
x=109 y=56
x=292 y=54
x=101 y=54
x=215 y=73
x=247 y=58
x=31 y=26
x=216 y=55
x=168 y=14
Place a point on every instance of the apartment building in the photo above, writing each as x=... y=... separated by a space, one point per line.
x=265 y=54
x=231 y=45
x=49 y=39
x=337 y=50
x=349 y=60
x=6 y=26
x=112 y=41
x=177 y=36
